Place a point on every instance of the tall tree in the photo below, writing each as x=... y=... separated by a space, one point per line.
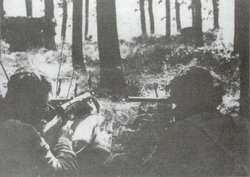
x=216 y=13
x=197 y=23
x=77 y=50
x=151 y=16
x=236 y=26
x=143 y=19
x=64 y=20
x=108 y=45
x=49 y=28
x=168 y=19
x=28 y=8
x=242 y=6
x=2 y=13
x=178 y=16
x=86 y=19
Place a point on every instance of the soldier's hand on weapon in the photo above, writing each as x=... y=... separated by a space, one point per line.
x=41 y=125
x=66 y=132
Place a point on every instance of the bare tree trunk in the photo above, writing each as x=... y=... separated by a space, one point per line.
x=216 y=13
x=168 y=19
x=2 y=13
x=197 y=23
x=28 y=8
x=64 y=20
x=151 y=16
x=243 y=27
x=178 y=17
x=108 y=45
x=143 y=20
x=49 y=28
x=77 y=50
x=86 y=19
x=193 y=13
x=236 y=27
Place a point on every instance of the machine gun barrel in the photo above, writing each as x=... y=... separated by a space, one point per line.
x=148 y=99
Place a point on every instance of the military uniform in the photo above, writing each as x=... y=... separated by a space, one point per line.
x=200 y=141
x=24 y=153
x=205 y=144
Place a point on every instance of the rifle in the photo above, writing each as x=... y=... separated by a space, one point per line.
x=62 y=114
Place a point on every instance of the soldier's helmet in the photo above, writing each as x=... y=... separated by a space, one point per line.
x=196 y=90
x=30 y=83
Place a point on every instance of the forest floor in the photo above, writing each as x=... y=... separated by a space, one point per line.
x=145 y=62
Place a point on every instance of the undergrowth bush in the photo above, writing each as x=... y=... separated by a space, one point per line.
x=148 y=56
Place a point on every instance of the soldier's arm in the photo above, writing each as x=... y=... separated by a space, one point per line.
x=61 y=162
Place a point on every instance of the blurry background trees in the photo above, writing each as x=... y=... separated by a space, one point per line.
x=143 y=19
x=77 y=50
x=168 y=19
x=177 y=15
x=216 y=13
x=151 y=16
x=242 y=39
x=237 y=21
x=1 y=10
x=164 y=19
x=28 y=8
x=64 y=20
x=86 y=20
x=49 y=26
x=197 y=22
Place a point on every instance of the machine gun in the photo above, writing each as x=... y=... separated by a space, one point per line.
x=65 y=107
x=62 y=113
x=149 y=99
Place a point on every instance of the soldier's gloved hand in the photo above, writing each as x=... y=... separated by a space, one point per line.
x=66 y=132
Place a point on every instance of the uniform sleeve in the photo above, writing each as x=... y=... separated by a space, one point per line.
x=62 y=162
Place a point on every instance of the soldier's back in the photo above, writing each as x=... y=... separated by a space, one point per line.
x=206 y=144
x=17 y=152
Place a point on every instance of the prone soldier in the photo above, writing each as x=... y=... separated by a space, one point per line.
x=202 y=141
x=24 y=152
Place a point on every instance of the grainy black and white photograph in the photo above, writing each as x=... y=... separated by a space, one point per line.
x=124 y=88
